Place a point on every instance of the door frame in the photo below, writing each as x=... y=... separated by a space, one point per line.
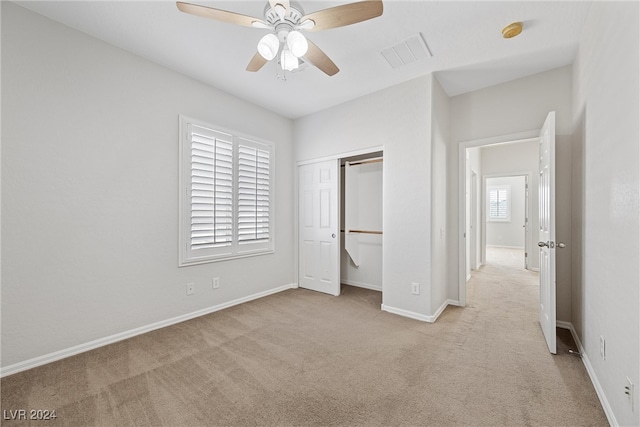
x=337 y=158
x=475 y=220
x=462 y=202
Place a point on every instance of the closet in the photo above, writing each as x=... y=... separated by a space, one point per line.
x=361 y=221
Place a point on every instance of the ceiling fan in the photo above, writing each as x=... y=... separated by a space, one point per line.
x=285 y=19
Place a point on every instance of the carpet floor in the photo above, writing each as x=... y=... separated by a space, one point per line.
x=305 y=358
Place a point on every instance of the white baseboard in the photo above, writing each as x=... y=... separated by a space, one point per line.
x=592 y=374
x=406 y=313
x=418 y=316
x=362 y=285
x=81 y=348
x=506 y=247
x=537 y=270
x=443 y=306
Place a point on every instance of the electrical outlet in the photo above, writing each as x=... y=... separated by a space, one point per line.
x=191 y=288
x=215 y=282
x=628 y=390
x=603 y=348
x=415 y=288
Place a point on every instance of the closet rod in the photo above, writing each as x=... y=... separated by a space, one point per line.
x=363 y=162
x=365 y=231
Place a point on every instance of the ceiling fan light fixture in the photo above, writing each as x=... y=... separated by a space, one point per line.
x=297 y=43
x=268 y=46
x=288 y=61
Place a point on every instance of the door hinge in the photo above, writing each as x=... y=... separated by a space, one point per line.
x=526 y=254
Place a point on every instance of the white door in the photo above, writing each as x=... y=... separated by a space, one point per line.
x=547 y=235
x=318 y=227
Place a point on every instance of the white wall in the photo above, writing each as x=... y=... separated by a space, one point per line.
x=518 y=158
x=487 y=114
x=606 y=206
x=508 y=233
x=90 y=190
x=397 y=119
x=440 y=140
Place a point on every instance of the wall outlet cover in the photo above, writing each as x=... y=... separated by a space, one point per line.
x=415 y=288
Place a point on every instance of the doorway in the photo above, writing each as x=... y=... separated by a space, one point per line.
x=510 y=155
x=506 y=225
x=541 y=166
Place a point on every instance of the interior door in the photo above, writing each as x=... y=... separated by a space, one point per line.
x=318 y=227
x=547 y=235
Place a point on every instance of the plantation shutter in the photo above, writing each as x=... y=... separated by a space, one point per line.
x=226 y=194
x=211 y=189
x=253 y=193
x=498 y=204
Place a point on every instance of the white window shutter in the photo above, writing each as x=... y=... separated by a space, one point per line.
x=211 y=189
x=499 y=204
x=253 y=194
x=226 y=200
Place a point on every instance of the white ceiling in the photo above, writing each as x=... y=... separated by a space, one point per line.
x=465 y=39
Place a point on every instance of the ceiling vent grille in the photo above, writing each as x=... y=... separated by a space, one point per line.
x=411 y=50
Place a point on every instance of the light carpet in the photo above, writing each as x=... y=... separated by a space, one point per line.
x=305 y=358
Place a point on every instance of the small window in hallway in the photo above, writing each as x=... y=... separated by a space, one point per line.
x=499 y=204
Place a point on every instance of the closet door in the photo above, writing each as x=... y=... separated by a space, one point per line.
x=318 y=227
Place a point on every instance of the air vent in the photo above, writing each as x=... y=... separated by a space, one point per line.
x=411 y=50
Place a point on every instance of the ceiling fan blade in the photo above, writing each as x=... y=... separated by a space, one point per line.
x=256 y=62
x=317 y=57
x=347 y=14
x=217 y=14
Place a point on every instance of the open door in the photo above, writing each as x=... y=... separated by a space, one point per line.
x=318 y=227
x=547 y=235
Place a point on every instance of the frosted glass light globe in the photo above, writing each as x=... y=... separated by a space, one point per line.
x=268 y=46
x=297 y=43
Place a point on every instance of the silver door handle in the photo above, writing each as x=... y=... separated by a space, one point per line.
x=561 y=245
x=333 y=235
x=543 y=244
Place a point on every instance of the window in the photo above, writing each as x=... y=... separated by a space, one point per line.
x=226 y=195
x=499 y=204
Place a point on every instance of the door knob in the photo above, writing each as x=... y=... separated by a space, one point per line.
x=333 y=235
x=543 y=244
x=561 y=245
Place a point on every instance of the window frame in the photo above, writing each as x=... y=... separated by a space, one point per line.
x=498 y=188
x=186 y=254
